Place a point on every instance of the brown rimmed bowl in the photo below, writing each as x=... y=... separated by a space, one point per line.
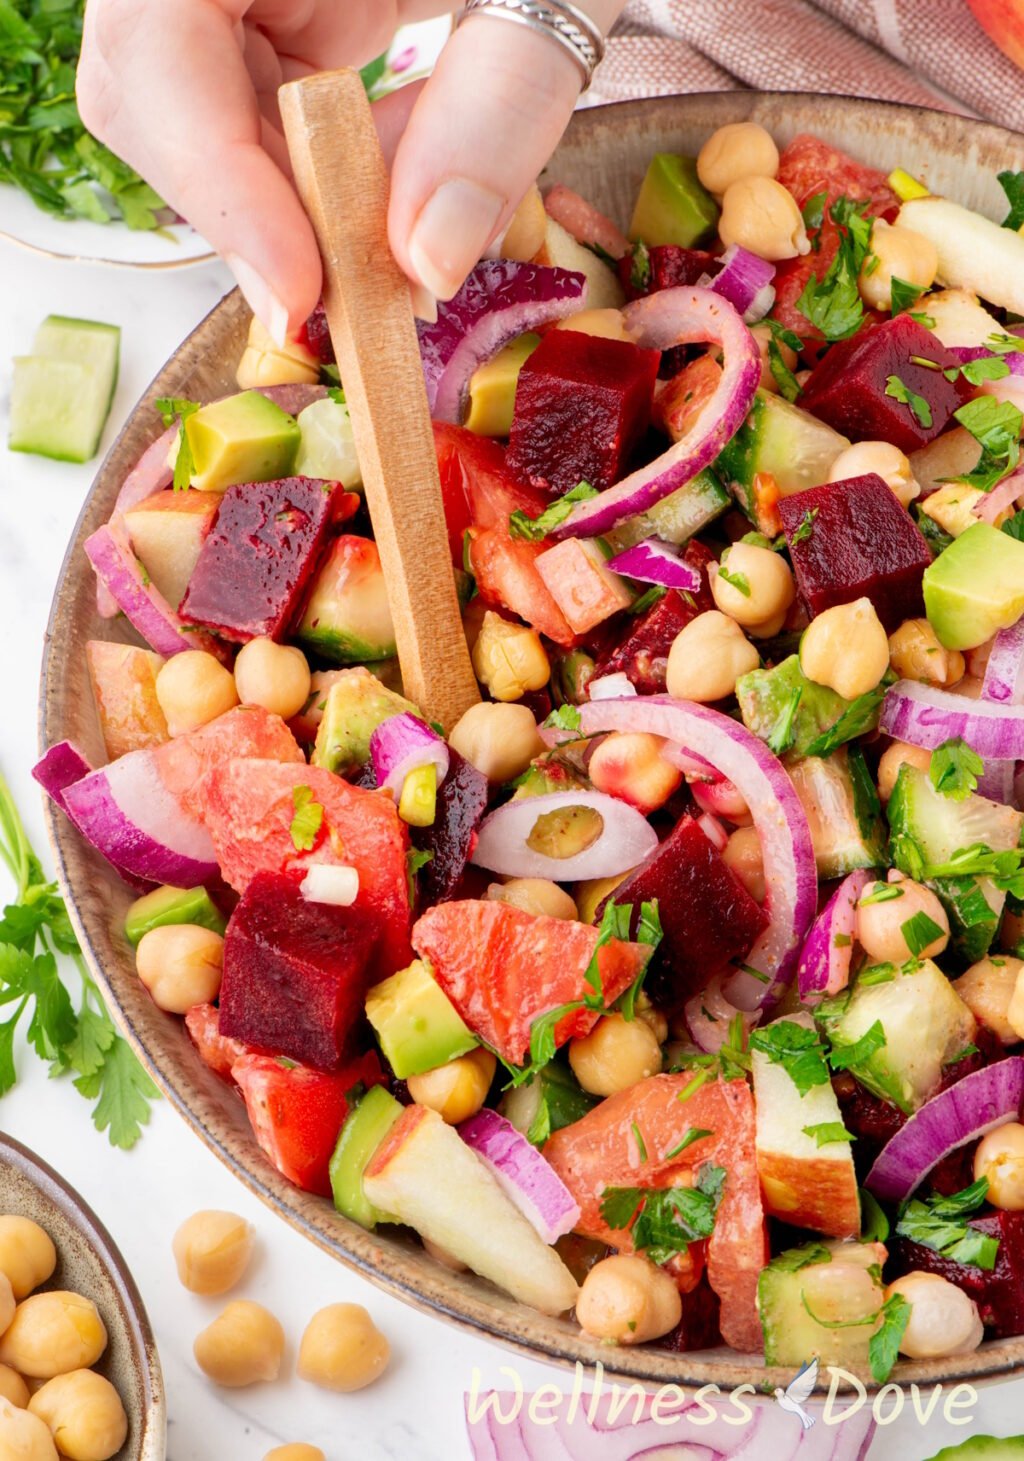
x=89 y=1263
x=603 y=155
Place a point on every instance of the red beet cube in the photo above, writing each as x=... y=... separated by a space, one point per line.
x=999 y=1293
x=861 y=544
x=643 y=654
x=852 y=389
x=316 y=335
x=708 y=917
x=582 y=405
x=295 y=972
x=668 y=265
x=259 y=556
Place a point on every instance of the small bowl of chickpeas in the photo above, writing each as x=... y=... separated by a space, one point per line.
x=79 y=1372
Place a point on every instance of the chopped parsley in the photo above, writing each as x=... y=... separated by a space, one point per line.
x=976 y=861
x=919 y=932
x=788 y=385
x=797 y=1049
x=986 y=367
x=858 y=1052
x=640 y=266
x=176 y=408
x=808 y=1255
x=695 y=1133
x=813 y=211
x=307 y=821
x=415 y=858
x=641 y=1145
x=833 y=303
x=996 y=425
x=899 y=391
x=884 y=1346
x=903 y=294
x=955 y=768
x=859 y=717
x=1012 y=184
x=535 y=529
x=827 y=1133
x=783 y=732
x=1014 y=526
x=337 y=395
x=874 y=1225
x=566 y=717
x=804 y=530
x=884 y=893
x=738 y=581
x=667 y=1219
x=940 y=1223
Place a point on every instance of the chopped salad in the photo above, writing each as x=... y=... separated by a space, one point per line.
x=681 y=982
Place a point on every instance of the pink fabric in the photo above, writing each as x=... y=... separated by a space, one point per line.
x=928 y=52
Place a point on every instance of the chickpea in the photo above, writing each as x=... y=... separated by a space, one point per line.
x=987 y=988
x=628 y=1300
x=23 y=1436
x=499 y=740
x=722 y=799
x=27 y=1254
x=894 y=757
x=273 y=675
x=509 y=658
x=243 y=1346
x=13 y=1387
x=181 y=965
x=296 y=1451
x=212 y=1251
x=737 y=150
x=591 y=893
x=53 y=1333
x=193 y=688
x=534 y=895
x=763 y=336
x=885 y=461
x=999 y=1156
x=615 y=1055
x=943 y=1319
x=342 y=1349
x=8 y=1303
x=759 y=587
x=84 y=1414
x=760 y=215
x=901 y=254
x=658 y=1022
x=880 y=925
x=266 y=363
x=457 y=1089
x=744 y=858
x=846 y=648
x=915 y=653
x=707 y=657
x=629 y=765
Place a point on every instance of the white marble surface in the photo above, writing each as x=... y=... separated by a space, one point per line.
x=416 y=1411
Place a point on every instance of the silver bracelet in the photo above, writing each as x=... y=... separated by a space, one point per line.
x=559 y=20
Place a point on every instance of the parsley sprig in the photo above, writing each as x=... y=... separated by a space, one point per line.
x=996 y=425
x=667 y=1219
x=535 y=529
x=176 y=408
x=954 y=769
x=833 y=303
x=940 y=1223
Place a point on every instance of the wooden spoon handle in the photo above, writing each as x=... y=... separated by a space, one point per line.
x=342 y=180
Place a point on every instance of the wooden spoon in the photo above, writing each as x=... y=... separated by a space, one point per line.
x=342 y=180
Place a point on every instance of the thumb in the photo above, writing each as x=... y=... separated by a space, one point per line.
x=483 y=128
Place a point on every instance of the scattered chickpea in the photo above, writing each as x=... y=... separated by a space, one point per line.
x=759 y=587
x=181 y=965
x=53 y=1333
x=342 y=1349
x=457 y=1089
x=629 y=765
x=499 y=740
x=987 y=988
x=707 y=657
x=84 y=1414
x=722 y=799
x=509 y=658
x=658 y=1022
x=243 y=1346
x=760 y=215
x=916 y=653
x=744 y=858
x=212 y=1251
x=880 y=925
x=23 y=1436
x=885 y=461
x=943 y=1319
x=763 y=337
x=845 y=648
x=615 y=1055
x=534 y=895
x=295 y=1451
x=894 y=757
x=902 y=254
x=27 y=1254
x=8 y=1303
x=273 y=675
x=266 y=363
x=737 y=150
x=13 y=1387
x=193 y=688
x=628 y=1300
x=999 y=1156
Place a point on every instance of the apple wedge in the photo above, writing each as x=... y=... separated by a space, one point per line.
x=562 y=251
x=124 y=687
x=167 y=532
x=426 y=1175
x=806 y=1184
x=974 y=253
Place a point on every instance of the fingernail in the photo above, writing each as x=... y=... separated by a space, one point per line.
x=263 y=302
x=459 y=210
x=424 y=305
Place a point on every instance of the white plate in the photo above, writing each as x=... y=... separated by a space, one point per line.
x=412 y=55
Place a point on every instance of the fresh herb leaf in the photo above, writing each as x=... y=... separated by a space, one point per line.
x=173 y=408
x=940 y=1223
x=566 y=718
x=1014 y=526
x=920 y=931
x=1012 y=184
x=955 y=768
x=859 y=717
x=535 y=529
x=669 y=1218
x=883 y=973
x=976 y=861
x=884 y=1346
x=650 y=933
x=808 y=1255
x=813 y=211
x=337 y=395
x=884 y=893
x=857 y=1052
x=695 y=1133
x=640 y=266
x=307 y=821
x=788 y=385
x=648 y=599
x=804 y=530
x=415 y=859
x=896 y=388
x=922 y=318
x=874 y=1225
x=641 y=1145
x=738 y=581
x=833 y=304
x=827 y=1133
x=996 y=425
x=903 y=294
x=797 y=1049
x=783 y=732
x=986 y=367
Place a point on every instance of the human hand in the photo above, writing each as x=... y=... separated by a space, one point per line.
x=187 y=94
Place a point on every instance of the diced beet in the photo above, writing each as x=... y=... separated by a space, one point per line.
x=698 y=1328
x=316 y=335
x=643 y=654
x=259 y=556
x=861 y=543
x=848 y=390
x=461 y=803
x=669 y=266
x=708 y=917
x=295 y=972
x=999 y=1293
x=582 y=405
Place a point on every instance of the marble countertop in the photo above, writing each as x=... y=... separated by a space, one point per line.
x=416 y=1410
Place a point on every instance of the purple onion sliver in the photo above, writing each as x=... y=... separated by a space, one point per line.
x=926 y=716
x=653 y=561
x=58 y=768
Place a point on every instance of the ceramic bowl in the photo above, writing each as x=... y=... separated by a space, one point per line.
x=603 y=155
x=89 y=1263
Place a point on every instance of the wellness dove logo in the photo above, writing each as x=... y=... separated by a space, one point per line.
x=798 y=1391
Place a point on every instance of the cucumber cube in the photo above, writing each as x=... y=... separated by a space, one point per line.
x=62 y=392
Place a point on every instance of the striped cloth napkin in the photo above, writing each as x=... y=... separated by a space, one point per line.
x=932 y=53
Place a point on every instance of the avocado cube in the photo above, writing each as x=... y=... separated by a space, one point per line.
x=356 y=704
x=492 y=389
x=243 y=438
x=975 y=587
x=347 y=618
x=673 y=206
x=172 y=905
x=767 y=697
x=416 y=1023
x=364 y=1130
x=810 y=1300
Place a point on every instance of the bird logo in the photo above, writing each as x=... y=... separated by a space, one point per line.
x=798 y=1391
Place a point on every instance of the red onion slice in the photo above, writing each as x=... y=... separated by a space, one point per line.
x=401 y=744
x=1004 y=673
x=709 y=1015
x=824 y=967
x=713 y=830
x=745 y=281
x=966 y=353
x=653 y=561
x=682 y=316
x=522 y=1173
x=925 y=716
x=965 y=1111
x=760 y=779
x=500 y=300
x=58 y=768
x=625 y=839
x=1000 y=498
